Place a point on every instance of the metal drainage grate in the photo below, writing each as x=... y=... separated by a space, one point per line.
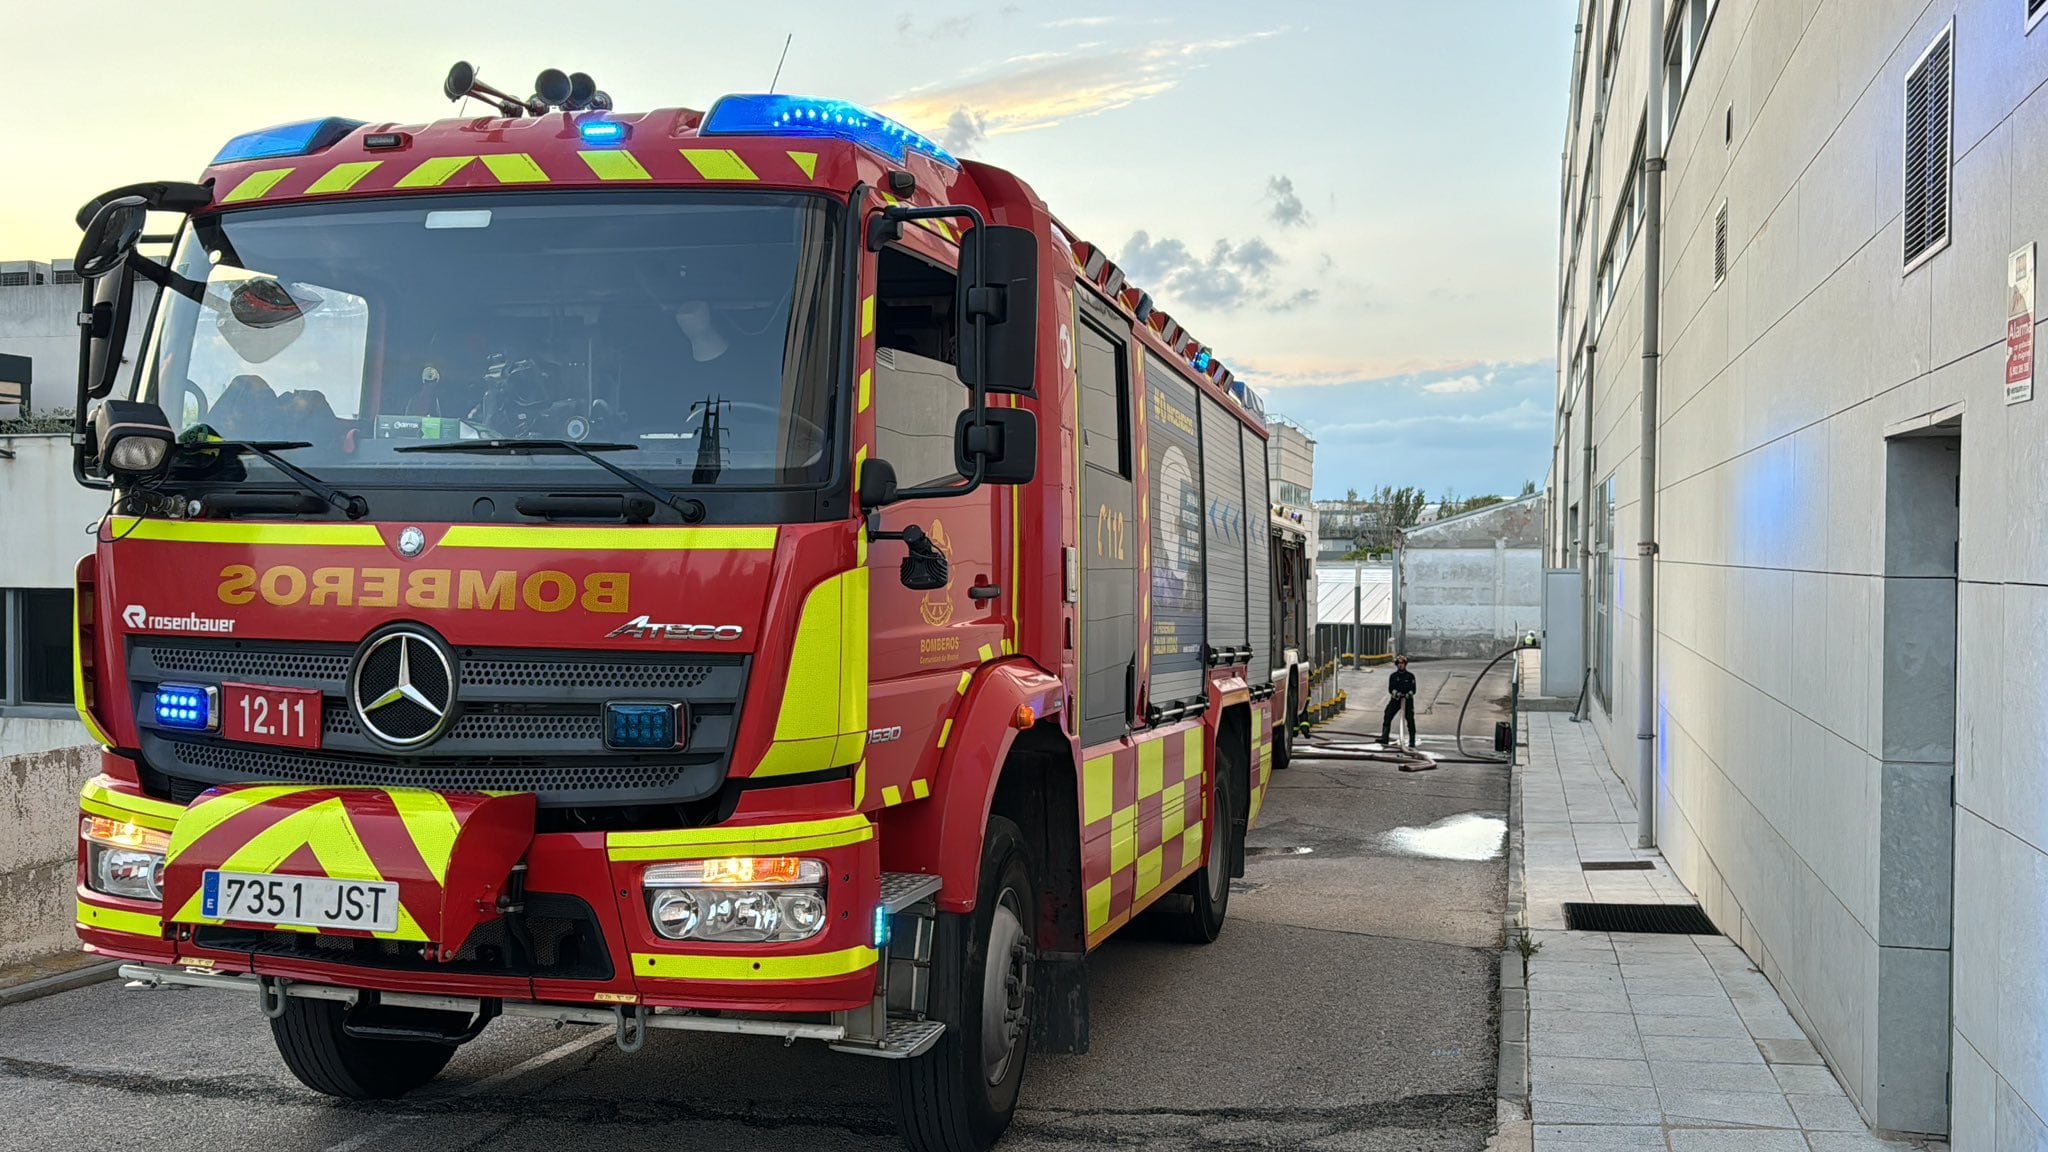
x=1616 y=865
x=1666 y=919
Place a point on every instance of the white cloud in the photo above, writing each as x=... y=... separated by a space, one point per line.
x=1040 y=89
x=1456 y=384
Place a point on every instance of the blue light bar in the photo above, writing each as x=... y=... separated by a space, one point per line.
x=189 y=706
x=641 y=725
x=603 y=131
x=818 y=118
x=286 y=139
x=1202 y=360
x=884 y=922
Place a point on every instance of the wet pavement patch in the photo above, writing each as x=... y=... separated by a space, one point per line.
x=1277 y=850
x=1467 y=836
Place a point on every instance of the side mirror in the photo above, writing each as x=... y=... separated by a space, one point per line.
x=111 y=237
x=999 y=281
x=1006 y=441
x=133 y=438
x=103 y=333
x=876 y=487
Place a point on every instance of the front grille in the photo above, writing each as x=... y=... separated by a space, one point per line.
x=489 y=673
x=259 y=665
x=469 y=774
x=525 y=719
x=566 y=942
x=491 y=722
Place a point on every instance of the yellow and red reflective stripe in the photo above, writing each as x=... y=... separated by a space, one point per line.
x=120 y=920
x=230 y=532
x=744 y=966
x=612 y=539
x=757 y=840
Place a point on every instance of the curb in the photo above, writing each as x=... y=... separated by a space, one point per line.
x=61 y=982
x=1511 y=1080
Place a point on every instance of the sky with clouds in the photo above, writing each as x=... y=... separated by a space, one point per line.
x=1352 y=201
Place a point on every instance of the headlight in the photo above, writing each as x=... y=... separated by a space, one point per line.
x=122 y=859
x=137 y=454
x=739 y=900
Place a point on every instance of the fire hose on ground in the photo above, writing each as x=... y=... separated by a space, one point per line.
x=1316 y=747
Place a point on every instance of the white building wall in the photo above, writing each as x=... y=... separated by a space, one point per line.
x=1778 y=800
x=40 y=321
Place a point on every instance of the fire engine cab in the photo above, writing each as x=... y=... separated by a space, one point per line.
x=742 y=571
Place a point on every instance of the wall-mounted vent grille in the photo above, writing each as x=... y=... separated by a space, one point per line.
x=1721 y=243
x=1929 y=99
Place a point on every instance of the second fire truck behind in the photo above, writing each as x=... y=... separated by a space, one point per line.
x=739 y=571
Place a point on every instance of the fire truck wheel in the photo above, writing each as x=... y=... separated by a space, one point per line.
x=328 y=1060
x=1196 y=910
x=959 y=1095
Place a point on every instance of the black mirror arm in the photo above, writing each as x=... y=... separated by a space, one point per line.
x=163 y=277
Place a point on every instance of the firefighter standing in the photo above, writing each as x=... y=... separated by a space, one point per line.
x=1401 y=687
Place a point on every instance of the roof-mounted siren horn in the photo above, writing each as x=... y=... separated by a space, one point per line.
x=584 y=94
x=462 y=82
x=551 y=89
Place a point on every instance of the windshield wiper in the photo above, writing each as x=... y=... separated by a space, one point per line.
x=692 y=511
x=351 y=505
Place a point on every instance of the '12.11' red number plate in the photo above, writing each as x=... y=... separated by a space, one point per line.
x=260 y=714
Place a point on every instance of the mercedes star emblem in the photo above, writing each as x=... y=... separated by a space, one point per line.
x=402 y=687
x=411 y=541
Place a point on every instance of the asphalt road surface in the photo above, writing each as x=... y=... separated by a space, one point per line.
x=1351 y=1003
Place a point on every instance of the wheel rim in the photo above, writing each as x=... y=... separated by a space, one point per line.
x=1215 y=865
x=1006 y=980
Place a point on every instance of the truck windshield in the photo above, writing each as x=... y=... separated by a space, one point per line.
x=696 y=326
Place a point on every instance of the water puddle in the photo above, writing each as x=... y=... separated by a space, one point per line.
x=1469 y=836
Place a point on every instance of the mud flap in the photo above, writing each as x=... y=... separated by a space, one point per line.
x=1059 y=1009
x=451 y=854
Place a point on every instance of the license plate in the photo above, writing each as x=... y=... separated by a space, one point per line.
x=304 y=901
x=260 y=714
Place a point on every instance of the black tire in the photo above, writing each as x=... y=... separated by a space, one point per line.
x=1194 y=911
x=1283 y=734
x=329 y=1060
x=950 y=1099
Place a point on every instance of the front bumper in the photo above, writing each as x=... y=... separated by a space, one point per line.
x=620 y=960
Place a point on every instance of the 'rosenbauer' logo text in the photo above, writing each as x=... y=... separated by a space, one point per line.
x=138 y=617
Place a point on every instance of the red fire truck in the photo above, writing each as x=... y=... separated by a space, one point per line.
x=741 y=571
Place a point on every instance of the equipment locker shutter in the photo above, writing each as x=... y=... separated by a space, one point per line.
x=1224 y=524
x=1258 y=562
x=1174 y=463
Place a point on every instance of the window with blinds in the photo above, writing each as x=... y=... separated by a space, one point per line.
x=1930 y=92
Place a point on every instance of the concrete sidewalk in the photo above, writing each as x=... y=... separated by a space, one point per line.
x=1668 y=1043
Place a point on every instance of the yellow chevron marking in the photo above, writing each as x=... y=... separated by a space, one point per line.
x=256 y=184
x=515 y=168
x=343 y=177
x=718 y=164
x=434 y=172
x=614 y=166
